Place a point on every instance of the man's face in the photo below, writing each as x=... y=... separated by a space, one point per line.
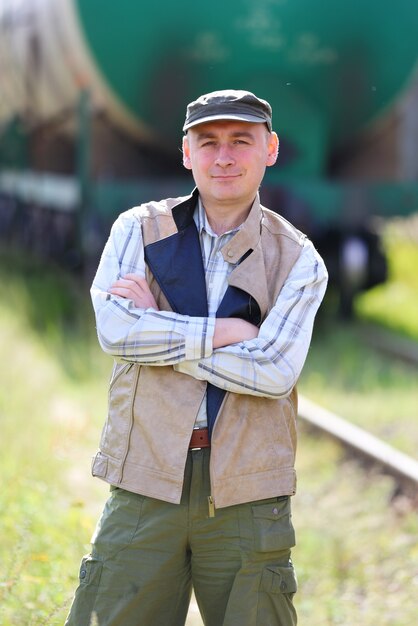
x=228 y=160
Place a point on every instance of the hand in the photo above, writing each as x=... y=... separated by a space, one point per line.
x=135 y=288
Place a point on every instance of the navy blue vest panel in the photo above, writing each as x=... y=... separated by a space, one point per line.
x=176 y=263
x=238 y=303
x=183 y=212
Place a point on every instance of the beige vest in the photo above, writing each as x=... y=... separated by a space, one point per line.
x=152 y=409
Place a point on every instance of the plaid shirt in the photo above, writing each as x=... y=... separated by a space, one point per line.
x=267 y=366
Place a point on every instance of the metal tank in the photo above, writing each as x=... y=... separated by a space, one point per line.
x=328 y=67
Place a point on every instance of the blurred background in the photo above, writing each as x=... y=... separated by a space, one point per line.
x=92 y=101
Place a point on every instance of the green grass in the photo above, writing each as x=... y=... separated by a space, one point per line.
x=52 y=400
x=357 y=553
x=373 y=391
x=356 y=557
x=394 y=304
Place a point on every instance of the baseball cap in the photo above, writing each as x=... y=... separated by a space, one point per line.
x=228 y=104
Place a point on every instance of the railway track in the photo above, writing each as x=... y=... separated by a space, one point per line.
x=364 y=445
x=388 y=343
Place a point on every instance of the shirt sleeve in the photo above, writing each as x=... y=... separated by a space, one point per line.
x=270 y=365
x=129 y=333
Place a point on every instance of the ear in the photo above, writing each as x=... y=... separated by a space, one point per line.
x=186 y=153
x=273 y=149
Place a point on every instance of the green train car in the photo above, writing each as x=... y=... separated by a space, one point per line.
x=93 y=93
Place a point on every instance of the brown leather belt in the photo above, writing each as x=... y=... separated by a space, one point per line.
x=199 y=439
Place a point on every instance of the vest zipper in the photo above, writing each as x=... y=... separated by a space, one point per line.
x=211 y=506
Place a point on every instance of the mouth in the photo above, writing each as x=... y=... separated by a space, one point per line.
x=227 y=177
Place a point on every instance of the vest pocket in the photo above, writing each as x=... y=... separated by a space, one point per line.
x=116 y=431
x=99 y=465
x=119 y=369
x=273 y=528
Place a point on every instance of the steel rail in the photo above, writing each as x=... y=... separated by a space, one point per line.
x=394 y=462
x=389 y=343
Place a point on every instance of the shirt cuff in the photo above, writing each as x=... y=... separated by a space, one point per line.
x=199 y=338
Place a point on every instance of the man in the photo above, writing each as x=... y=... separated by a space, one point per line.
x=207 y=304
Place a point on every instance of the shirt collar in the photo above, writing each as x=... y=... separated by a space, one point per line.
x=202 y=222
x=248 y=236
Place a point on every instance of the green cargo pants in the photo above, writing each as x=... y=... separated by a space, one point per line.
x=147 y=554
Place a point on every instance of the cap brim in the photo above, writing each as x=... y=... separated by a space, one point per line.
x=226 y=116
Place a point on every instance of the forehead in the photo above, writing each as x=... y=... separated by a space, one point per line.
x=227 y=127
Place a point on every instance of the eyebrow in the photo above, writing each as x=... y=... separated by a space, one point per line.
x=238 y=133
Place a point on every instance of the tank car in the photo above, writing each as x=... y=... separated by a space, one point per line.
x=93 y=96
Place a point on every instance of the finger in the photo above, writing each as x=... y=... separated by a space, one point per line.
x=138 y=280
x=135 y=277
x=123 y=292
x=127 y=284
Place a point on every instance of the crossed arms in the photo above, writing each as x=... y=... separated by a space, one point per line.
x=227 y=330
x=230 y=353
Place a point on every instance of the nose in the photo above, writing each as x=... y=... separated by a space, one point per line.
x=224 y=156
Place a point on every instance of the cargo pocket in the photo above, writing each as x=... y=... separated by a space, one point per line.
x=279 y=579
x=273 y=528
x=90 y=571
x=278 y=585
x=82 y=608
